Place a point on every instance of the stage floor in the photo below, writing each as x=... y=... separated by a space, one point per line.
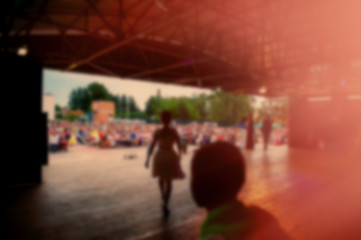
x=97 y=194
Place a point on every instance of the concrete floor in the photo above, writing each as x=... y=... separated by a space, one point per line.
x=97 y=194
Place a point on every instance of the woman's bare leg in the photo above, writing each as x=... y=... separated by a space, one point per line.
x=168 y=191
x=162 y=188
x=165 y=187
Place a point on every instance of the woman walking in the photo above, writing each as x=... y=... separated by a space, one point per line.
x=166 y=162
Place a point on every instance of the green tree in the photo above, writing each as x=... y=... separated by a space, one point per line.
x=228 y=107
x=132 y=105
x=138 y=115
x=220 y=107
x=125 y=104
x=201 y=105
x=98 y=92
x=58 y=114
x=278 y=109
x=120 y=103
x=80 y=98
x=185 y=109
x=57 y=108
x=72 y=116
x=154 y=106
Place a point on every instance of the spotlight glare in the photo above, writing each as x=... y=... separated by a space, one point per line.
x=22 y=51
x=263 y=90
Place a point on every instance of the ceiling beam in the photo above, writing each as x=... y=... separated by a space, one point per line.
x=172 y=17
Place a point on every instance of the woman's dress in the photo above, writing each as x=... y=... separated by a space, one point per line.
x=166 y=163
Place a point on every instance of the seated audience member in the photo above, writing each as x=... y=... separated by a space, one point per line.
x=111 y=140
x=140 y=138
x=64 y=141
x=81 y=137
x=125 y=140
x=214 y=138
x=101 y=135
x=133 y=138
x=54 y=141
x=94 y=137
x=67 y=134
x=72 y=139
x=116 y=137
x=218 y=174
x=107 y=141
x=199 y=139
x=183 y=145
x=104 y=142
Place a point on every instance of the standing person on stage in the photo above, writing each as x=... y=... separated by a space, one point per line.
x=166 y=162
x=243 y=127
x=266 y=130
x=250 y=132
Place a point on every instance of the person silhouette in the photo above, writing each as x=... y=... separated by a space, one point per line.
x=217 y=175
x=166 y=162
x=250 y=132
x=266 y=130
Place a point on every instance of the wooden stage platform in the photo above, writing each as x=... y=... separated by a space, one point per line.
x=96 y=194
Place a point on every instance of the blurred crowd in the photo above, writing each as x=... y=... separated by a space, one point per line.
x=62 y=134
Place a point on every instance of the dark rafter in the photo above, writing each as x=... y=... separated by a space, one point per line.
x=237 y=45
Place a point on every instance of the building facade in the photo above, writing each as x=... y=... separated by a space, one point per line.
x=103 y=111
x=48 y=106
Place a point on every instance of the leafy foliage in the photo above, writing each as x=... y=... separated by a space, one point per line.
x=228 y=107
x=81 y=99
x=278 y=111
x=98 y=91
x=220 y=107
x=58 y=114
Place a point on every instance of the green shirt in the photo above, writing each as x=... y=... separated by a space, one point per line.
x=235 y=221
x=226 y=221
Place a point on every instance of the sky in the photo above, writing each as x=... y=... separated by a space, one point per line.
x=61 y=83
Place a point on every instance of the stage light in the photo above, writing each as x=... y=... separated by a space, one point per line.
x=72 y=66
x=262 y=90
x=23 y=51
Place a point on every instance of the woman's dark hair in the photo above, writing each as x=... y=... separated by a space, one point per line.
x=166 y=117
x=218 y=174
